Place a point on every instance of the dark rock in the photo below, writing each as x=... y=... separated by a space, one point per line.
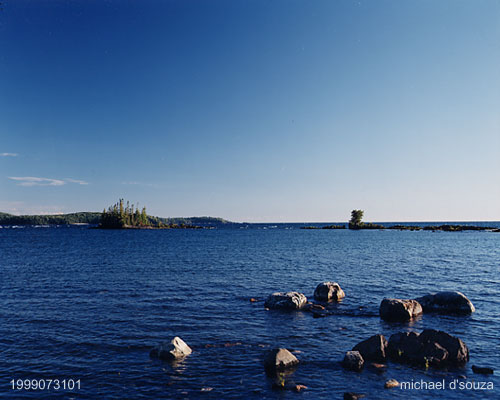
x=286 y=301
x=373 y=348
x=353 y=396
x=399 y=310
x=446 y=303
x=279 y=359
x=173 y=350
x=328 y=291
x=405 y=347
x=353 y=361
x=482 y=370
x=430 y=348
x=435 y=354
x=458 y=352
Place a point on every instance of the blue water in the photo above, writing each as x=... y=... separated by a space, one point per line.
x=88 y=304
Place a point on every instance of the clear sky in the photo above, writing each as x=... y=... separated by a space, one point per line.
x=276 y=110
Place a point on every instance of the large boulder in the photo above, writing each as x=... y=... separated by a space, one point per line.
x=173 y=350
x=286 y=301
x=430 y=347
x=353 y=361
x=279 y=359
x=446 y=303
x=328 y=291
x=399 y=310
x=458 y=352
x=373 y=348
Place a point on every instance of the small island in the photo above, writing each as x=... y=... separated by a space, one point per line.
x=127 y=216
x=356 y=223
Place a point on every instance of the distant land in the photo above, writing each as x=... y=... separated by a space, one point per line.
x=93 y=218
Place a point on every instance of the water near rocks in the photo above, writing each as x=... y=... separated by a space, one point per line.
x=87 y=304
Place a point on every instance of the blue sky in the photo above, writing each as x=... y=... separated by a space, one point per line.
x=252 y=110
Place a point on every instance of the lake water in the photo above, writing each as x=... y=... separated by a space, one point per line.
x=78 y=303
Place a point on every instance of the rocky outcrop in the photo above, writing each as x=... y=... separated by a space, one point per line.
x=286 y=301
x=446 y=303
x=399 y=310
x=373 y=348
x=353 y=361
x=429 y=348
x=328 y=291
x=173 y=350
x=279 y=359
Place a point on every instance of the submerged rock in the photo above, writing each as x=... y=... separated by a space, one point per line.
x=328 y=291
x=373 y=348
x=353 y=361
x=446 y=303
x=279 y=359
x=286 y=301
x=353 y=396
x=173 y=350
x=482 y=370
x=399 y=310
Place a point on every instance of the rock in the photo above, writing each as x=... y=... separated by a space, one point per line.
x=353 y=396
x=173 y=350
x=399 y=310
x=373 y=348
x=430 y=348
x=299 y=388
x=328 y=291
x=458 y=352
x=482 y=370
x=286 y=301
x=391 y=383
x=435 y=354
x=378 y=368
x=353 y=361
x=446 y=303
x=279 y=359
x=405 y=347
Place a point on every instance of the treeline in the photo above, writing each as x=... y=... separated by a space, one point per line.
x=91 y=218
x=121 y=215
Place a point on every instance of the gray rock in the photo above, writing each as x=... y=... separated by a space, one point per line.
x=328 y=291
x=373 y=348
x=399 y=310
x=286 y=301
x=279 y=359
x=173 y=350
x=353 y=361
x=446 y=303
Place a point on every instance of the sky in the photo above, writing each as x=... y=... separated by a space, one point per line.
x=256 y=111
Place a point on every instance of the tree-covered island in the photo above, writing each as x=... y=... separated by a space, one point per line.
x=123 y=215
